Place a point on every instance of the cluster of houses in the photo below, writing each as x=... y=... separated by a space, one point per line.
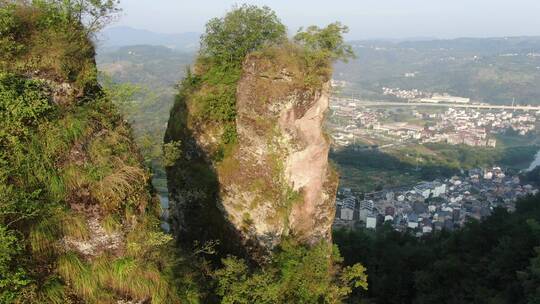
x=483 y=122
x=402 y=93
x=416 y=95
x=454 y=126
x=430 y=206
x=469 y=127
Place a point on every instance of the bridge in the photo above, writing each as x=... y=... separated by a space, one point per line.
x=453 y=105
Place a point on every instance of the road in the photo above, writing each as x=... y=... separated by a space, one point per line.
x=453 y=105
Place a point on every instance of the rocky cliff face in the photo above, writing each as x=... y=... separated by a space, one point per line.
x=276 y=181
x=283 y=183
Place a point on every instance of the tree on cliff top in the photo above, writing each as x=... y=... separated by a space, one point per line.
x=327 y=42
x=242 y=30
x=94 y=15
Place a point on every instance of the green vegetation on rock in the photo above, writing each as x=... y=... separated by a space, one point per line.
x=79 y=219
x=79 y=222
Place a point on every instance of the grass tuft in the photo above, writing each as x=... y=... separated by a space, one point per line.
x=43 y=237
x=75 y=226
x=115 y=188
x=107 y=276
x=111 y=223
x=53 y=292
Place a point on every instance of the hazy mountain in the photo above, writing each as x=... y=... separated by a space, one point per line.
x=493 y=70
x=116 y=37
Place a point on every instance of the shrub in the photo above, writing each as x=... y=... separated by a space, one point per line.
x=172 y=151
x=297 y=274
x=13 y=277
x=224 y=46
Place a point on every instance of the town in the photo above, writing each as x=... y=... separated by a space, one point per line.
x=443 y=204
x=453 y=126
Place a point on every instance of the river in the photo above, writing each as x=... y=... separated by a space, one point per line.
x=164 y=198
x=535 y=163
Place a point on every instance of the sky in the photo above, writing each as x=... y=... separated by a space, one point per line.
x=367 y=19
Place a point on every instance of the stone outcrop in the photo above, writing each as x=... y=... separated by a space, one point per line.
x=276 y=182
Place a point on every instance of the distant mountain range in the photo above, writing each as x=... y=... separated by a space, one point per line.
x=116 y=37
x=482 y=46
x=492 y=70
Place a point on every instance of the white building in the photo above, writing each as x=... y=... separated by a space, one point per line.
x=371 y=222
x=364 y=213
x=438 y=189
x=412 y=221
x=427 y=229
x=412 y=225
x=348 y=205
x=434 y=189
x=346 y=214
x=423 y=190
x=367 y=204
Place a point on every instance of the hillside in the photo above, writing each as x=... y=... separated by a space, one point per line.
x=152 y=66
x=492 y=70
x=79 y=222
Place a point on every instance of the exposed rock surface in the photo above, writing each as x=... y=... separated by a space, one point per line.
x=283 y=184
x=98 y=242
x=276 y=182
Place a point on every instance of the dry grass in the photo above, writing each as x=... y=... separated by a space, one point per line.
x=116 y=188
x=111 y=224
x=79 y=275
x=107 y=279
x=75 y=177
x=43 y=237
x=75 y=226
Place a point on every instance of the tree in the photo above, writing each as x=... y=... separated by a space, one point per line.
x=94 y=15
x=328 y=41
x=241 y=31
